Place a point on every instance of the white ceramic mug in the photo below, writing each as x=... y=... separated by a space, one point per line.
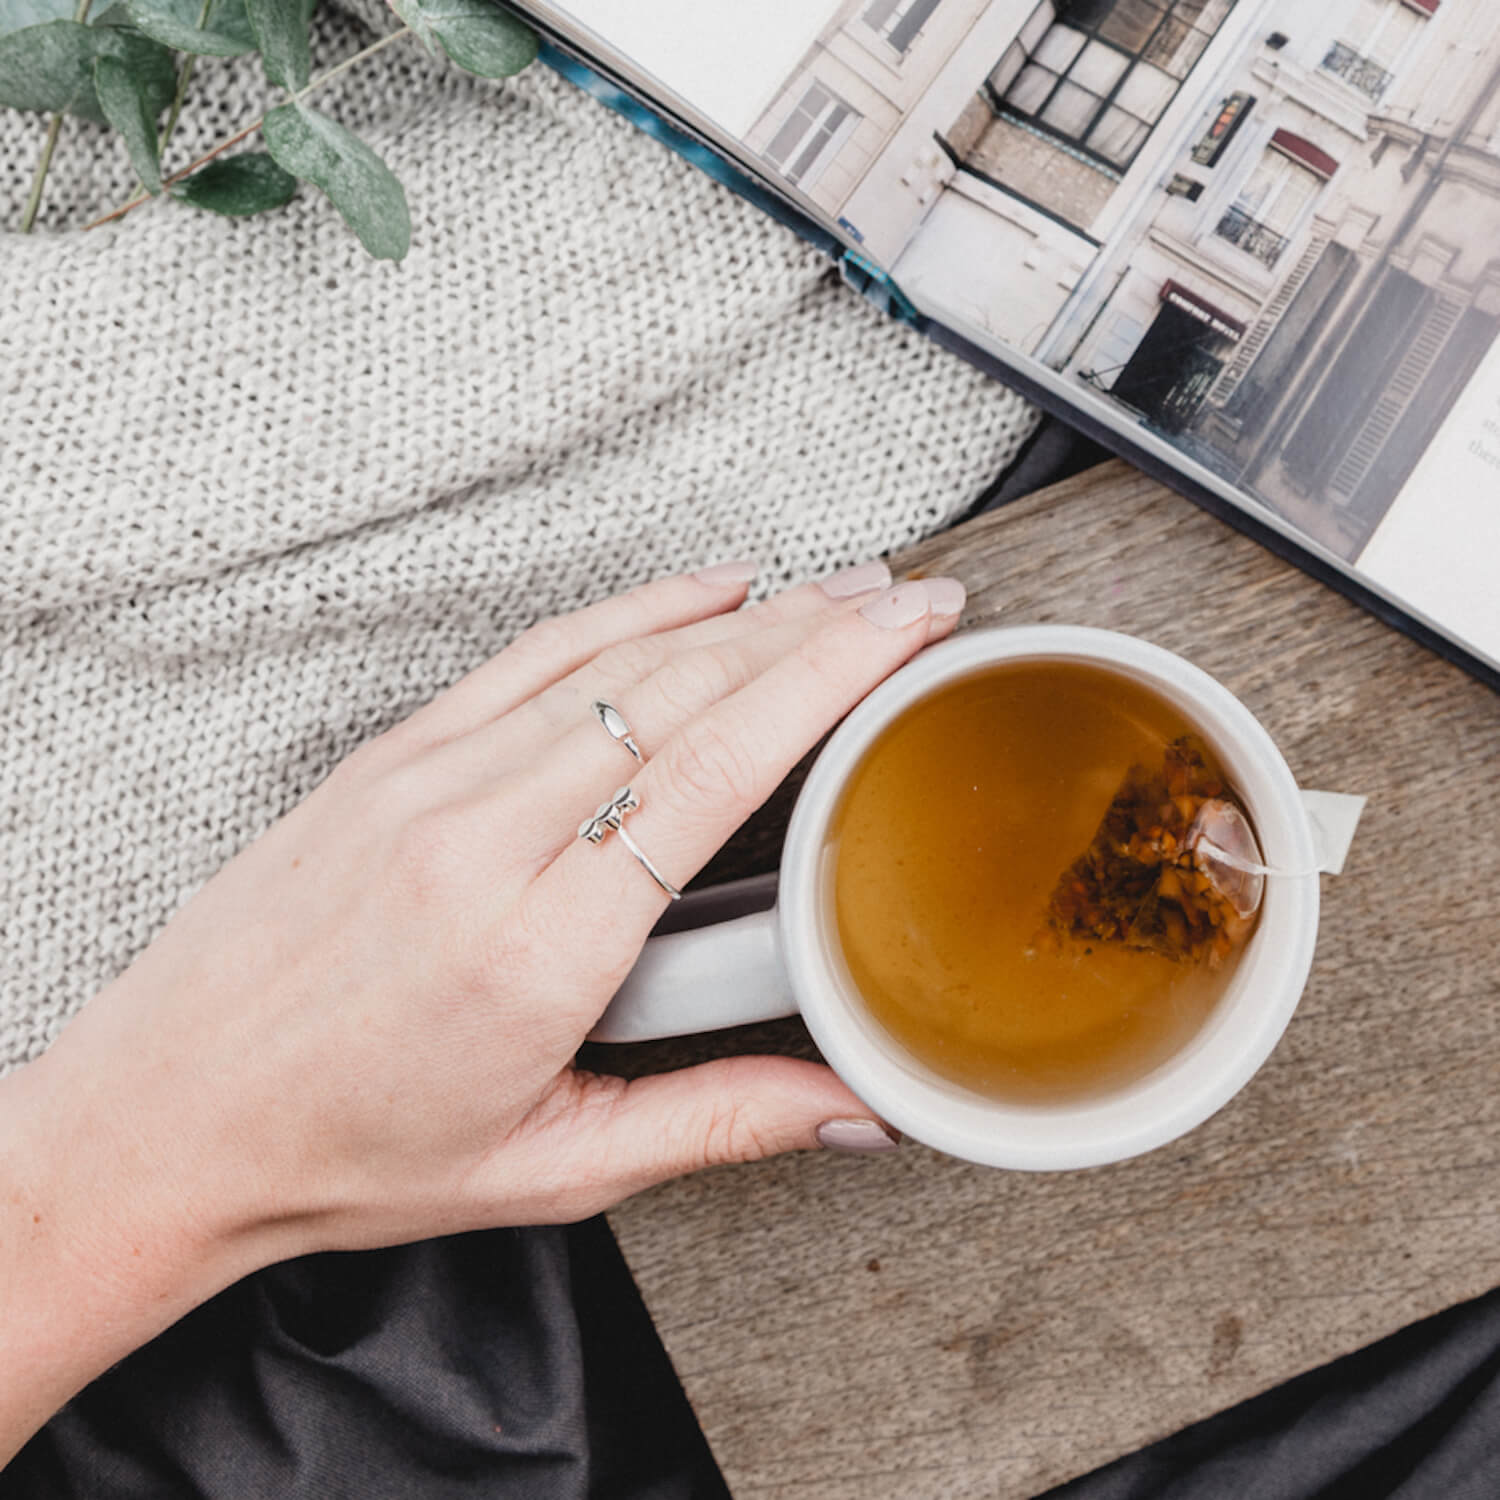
x=786 y=958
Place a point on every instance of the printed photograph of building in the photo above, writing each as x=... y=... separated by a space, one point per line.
x=1304 y=296
x=1266 y=230
x=983 y=150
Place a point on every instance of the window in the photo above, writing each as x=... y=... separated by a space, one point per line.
x=1101 y=73
x=812 y=134
x=899 y=21
x=1375 y=40
x=1269 y=208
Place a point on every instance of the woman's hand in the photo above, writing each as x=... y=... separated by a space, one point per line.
x=362 y=1030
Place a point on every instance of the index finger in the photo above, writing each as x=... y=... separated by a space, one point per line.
x=712 y=774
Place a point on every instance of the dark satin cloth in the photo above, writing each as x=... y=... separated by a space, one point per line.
x=511 y=1363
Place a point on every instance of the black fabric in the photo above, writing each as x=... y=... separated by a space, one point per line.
x=511 y=1363
x=1413 y=1417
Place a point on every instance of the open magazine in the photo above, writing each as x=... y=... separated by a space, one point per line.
x=1252 y=244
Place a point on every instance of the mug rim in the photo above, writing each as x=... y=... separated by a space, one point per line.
x=1172 y=1099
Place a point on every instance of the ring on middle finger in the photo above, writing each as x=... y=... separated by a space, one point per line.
x=615 y=726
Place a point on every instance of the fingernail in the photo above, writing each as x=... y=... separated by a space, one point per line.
x=898 y=607
x=857 y=1135
x=725 y=574
x=848 y=582
x=945 y=595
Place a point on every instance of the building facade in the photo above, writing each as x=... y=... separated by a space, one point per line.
x=852 y=128
x=1261 y=228
x=1355 y=377
x=1010 y=133
x=1315 y=276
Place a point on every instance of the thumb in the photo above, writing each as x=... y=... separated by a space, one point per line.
x=731 y=1110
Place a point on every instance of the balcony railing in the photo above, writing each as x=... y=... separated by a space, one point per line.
x=1253 y=237
x=1359 y=72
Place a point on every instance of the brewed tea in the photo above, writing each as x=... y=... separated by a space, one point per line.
x=956 y=839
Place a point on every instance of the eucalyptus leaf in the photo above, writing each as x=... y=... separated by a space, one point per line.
x=16 y=14
x=126 y=108
x=280 y=27
x=150 y=66
x=238 y=185
x=355 y=179
x=174 y=23
x=415 y=16
x=476 y=34
x=51 y=68
x=48 y=68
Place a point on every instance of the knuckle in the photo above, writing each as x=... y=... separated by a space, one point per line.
x=715 y=770
x=827 y=667
x=542 y=639
x=692 y=682
x=732 y=1135
x=542 y=643
x=628 y=661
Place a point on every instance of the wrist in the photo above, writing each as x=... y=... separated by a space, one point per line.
x=111 y=1228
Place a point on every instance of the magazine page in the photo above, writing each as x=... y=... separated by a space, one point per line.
x=1261 y=237
x=710 y=67
x=1290 y=277
x=723 y=62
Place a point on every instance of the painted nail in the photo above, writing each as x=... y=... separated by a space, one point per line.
x=848 y=582
x=725 y=574
x=857 y=1135
x=946 y=595
x=898 y=607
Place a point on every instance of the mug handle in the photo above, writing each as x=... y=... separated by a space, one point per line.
x=713 y=962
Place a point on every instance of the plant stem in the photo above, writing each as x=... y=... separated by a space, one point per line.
x=349 y=62
x=34 y=197
x=183 y=79
x=44 y=161
x=254 y=125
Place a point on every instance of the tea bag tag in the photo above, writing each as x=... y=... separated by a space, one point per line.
x=1224 y=846
x=1334 y=817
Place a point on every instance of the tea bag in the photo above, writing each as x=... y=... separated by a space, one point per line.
x=1174 y=868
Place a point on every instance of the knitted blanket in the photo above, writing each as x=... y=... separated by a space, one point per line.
x=261 y=496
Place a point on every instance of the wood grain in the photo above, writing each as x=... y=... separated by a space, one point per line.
x=918 y=1327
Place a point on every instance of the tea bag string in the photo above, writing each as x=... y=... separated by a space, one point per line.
x=1225 y=849
x=1239 y=862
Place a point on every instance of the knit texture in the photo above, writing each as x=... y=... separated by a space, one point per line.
x=263 y=496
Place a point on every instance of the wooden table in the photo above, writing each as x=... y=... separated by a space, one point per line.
x=916 y=1327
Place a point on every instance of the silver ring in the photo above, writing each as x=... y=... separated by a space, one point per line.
x=611 y=815
x=615 y=726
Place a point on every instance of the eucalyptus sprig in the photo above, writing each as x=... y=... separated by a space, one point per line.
x=134 y=62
